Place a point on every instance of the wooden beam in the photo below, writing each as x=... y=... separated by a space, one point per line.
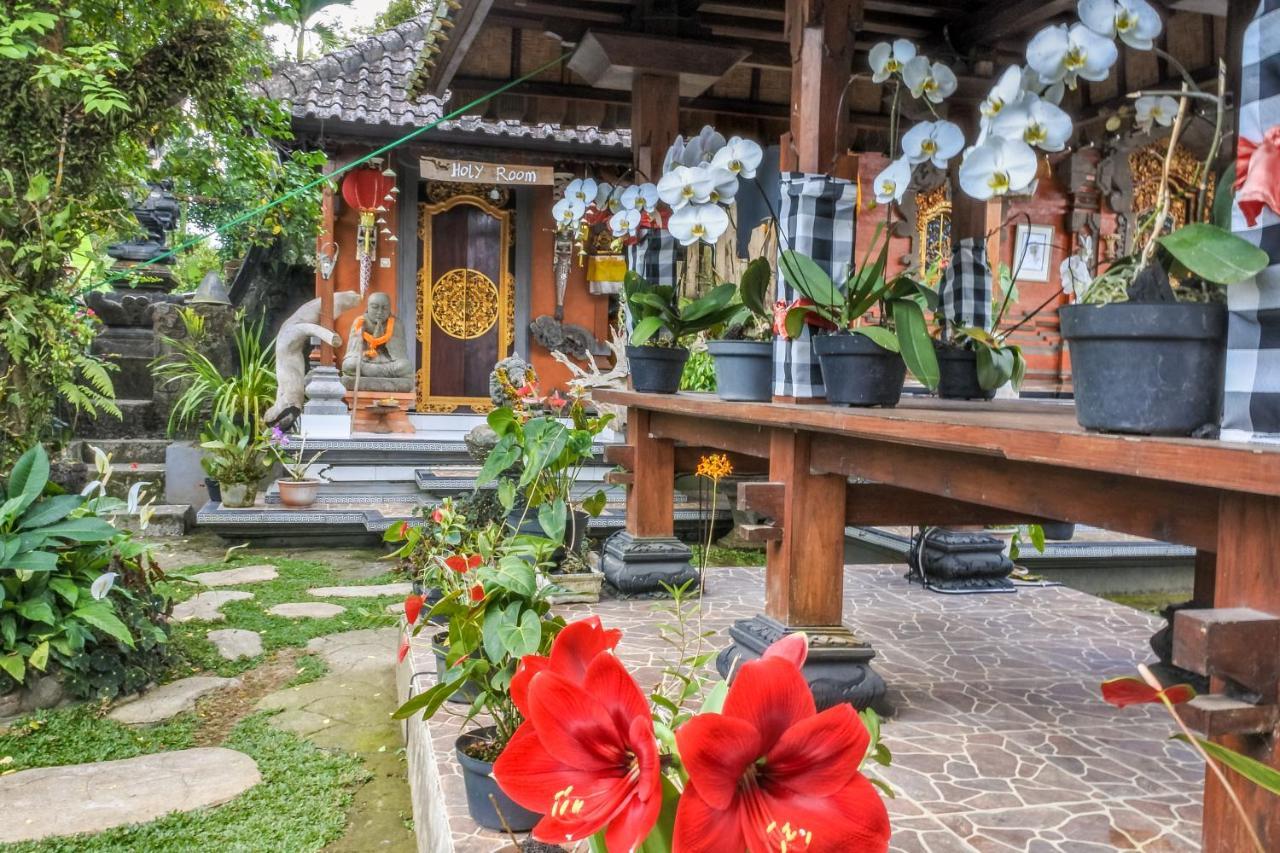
x=995 y=20
x=821 y=34
x=655 y=121
x=467 y=23
x=650 y=498
x=875 y=504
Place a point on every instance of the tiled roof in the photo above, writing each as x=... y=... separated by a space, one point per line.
x=369 y=83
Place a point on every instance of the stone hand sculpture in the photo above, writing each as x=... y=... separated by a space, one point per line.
x=376 y=344
x=292 y=343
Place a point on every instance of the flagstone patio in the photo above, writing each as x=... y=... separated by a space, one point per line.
x=1000 y=741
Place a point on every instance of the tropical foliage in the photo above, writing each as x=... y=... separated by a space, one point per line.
x=660 y=318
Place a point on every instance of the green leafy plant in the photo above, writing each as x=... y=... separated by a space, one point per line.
x=699 y=371
x=427 y=550
x=235 y=454
x=754 y=321
x=901 y=326
x=659 y=318
x=998 y=361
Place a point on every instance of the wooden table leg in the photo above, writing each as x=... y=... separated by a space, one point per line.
x=1248 y=554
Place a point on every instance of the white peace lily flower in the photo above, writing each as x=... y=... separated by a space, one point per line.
x=935 y=81
x=100 y=587
x=1155 y=109
x=682 y=186
x=625 y=223
x=1135 y=21
x=740 y=156
x=891 y=184
x=90 y=488
x=694 y=222
x=135 y=495
x=568 y=210
x=725 y=185
x=1007 y=91
x=1037 y=123
x=1061 y=55
x=998 y=166
x=887 y=60
x=936 y=141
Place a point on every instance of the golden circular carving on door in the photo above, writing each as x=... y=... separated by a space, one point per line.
x=464 y=303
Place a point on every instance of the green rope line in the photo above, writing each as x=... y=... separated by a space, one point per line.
x=258 y=211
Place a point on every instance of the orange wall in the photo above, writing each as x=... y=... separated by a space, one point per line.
x=346 y=275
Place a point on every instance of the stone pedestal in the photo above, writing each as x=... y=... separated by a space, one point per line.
x=959 y=561
x=838 y=668
x=641 y=566
x=325 y=415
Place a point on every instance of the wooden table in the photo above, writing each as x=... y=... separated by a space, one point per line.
x=937 y=462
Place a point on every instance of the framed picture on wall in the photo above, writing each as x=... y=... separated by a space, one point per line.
x=1032 y=252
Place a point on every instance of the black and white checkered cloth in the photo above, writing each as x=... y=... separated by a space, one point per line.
x=655 y=257
x=965 y=292
x=1251 y=404
x=816 y=214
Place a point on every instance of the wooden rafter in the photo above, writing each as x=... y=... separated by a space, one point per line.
x=467 y=23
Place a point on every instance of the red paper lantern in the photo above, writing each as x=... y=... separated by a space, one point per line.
x=365 y=189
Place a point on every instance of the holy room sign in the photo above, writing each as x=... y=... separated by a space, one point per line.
x=475 y=172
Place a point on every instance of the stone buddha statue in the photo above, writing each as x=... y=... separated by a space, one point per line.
x=376 y=344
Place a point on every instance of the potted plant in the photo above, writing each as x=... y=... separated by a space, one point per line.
x=1148 y=336
x=235 y=459
x=660 y=320
x=744 y=355
x=973 y=363
x=429 y=552
x=864 y=363
x=297 y=489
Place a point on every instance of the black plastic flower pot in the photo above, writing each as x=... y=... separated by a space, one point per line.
x=1150 y=369
x=214 y=489
x=485 y=800
x=469 y=690
x=656 y=370
x=958 y=374
x=575 y=530
x=858 y=372
x=744 y=369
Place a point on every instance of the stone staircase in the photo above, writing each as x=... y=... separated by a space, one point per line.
x=136 y=460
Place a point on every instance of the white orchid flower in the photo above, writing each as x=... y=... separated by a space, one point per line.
x=1153 y=110
x=998 y=166
x=674 y=156
x=603 y=191
x=1007 y=91
x=1135 y=21
x=642 y=197
x=683 y=185
x=740 y=156
x=135 y=496
x=933 y=81
x=568 y=210
x=102 y=586
x=887 y=60
x=1038 y=123
x=703 y=147
x=936 y=141
x=625 y=223
x=1061 y=55
x=614 y=202
x=694 y=222
x=891 y=184
x=725 y=185
x=581 y=189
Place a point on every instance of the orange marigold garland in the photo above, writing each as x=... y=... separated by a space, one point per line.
x=376 y=341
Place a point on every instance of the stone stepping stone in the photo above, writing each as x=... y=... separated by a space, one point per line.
x=306 y=610
x=368 y=591
x=236 y=643
x=233 y=577
x=170 y=699
x=357 y=651
x=51 y=801
x=207 y=606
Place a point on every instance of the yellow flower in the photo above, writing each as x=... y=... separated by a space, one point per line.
x=714 y=467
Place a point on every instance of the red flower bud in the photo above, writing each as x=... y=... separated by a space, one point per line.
x=477 y=593
x=412 y=607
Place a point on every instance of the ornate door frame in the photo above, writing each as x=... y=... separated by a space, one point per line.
x=505 y=307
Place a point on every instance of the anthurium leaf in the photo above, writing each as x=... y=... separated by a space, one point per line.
x=521 y=637
x=14 y=665
x=754 y=285
x=645 y=329
x=493 y=621
x=514 y=574
x=501 y=420
x=1215 y=254
x=551 y=517
x=595 y=504
x=1255 y=771
x=506 y=494
x=804 y=274
x=48 y=511
x=917 y=346
x=884 y=338
x=503 y=456
x=100 y=615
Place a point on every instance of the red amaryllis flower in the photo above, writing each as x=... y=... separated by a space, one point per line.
x=572 y=651
x=1129 y=690
x=770 y=773
x=461 y=564
x=412 y=607
x=477 y=593
x=586 y=757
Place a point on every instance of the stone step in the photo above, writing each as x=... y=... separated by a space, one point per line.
x=124 y=475
x=169 y=700
x=139 y=418
x=167 y=521
x=126 y=450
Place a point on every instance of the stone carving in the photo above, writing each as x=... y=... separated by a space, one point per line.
x=585 y=379
x=157 y=214
x=639 y=567
x=960 y=561
x=292 y=343
x=507 y=376
x=388 y=368
x=464 y=303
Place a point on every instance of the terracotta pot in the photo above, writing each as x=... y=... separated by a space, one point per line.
x=298 y=493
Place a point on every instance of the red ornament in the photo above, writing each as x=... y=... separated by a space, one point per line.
x=365 y=189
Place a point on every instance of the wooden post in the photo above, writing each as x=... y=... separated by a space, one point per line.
x=821 y=33
x=655 y=121
x=651 y=496
x=324 y=286
x=1248 y=545
x=804 y=584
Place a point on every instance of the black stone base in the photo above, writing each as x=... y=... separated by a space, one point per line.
x=642 y=566
x=960 y=561
x=838 y=668
x=1162 y=645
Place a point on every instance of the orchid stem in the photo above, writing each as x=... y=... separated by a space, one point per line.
x=1162 y=196
x=1202 y=191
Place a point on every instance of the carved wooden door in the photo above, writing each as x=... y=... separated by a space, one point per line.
x=465 y=304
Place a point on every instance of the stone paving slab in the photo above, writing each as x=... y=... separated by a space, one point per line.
x=234 y=577
x=236 y=643
x=170 y=699
x=380 y=590
x=356 y=651
x=207 y=606
x=307 y=610
x=51 y=801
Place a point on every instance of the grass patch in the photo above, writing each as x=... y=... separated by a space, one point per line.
x=296 y=577
x=1152 y=602
x=310 y=668
x=78 y=735
x=726 y=557
x=300 y=805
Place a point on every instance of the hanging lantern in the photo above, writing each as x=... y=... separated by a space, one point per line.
x=361 y=188
x=395 y=191
x=393 y=239
x=389 y=198
x=389 y=173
